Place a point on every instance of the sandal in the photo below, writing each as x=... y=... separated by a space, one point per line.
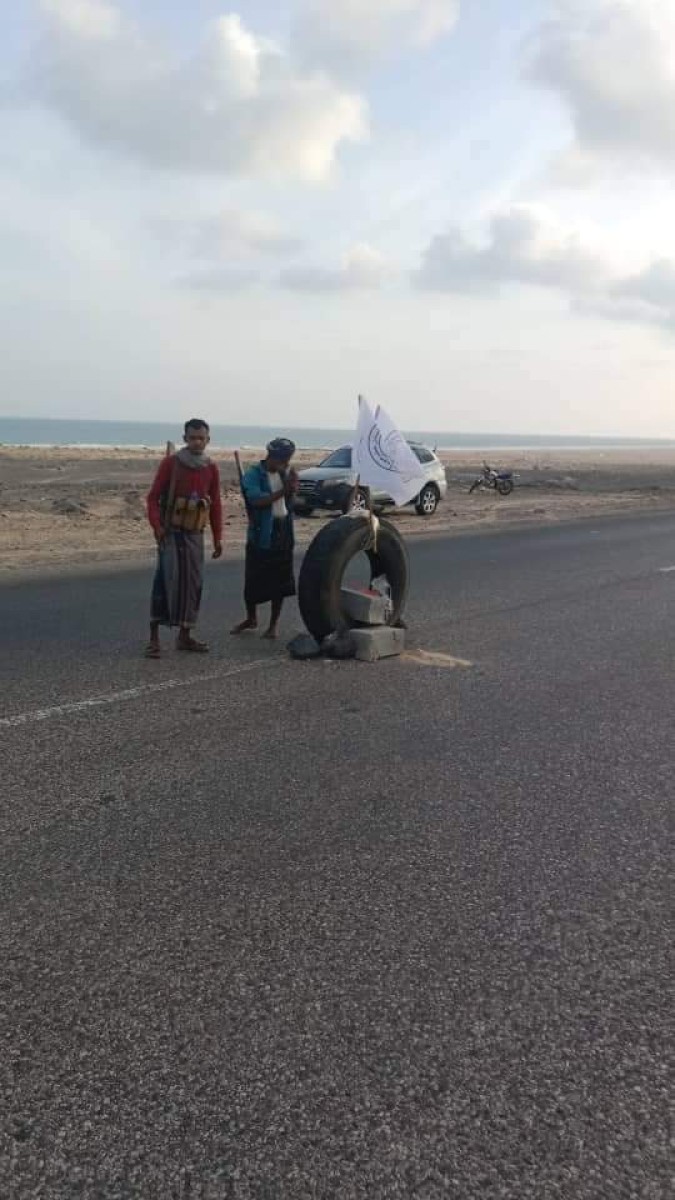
x=152 y=650
x=192 y=646
x=244 y=627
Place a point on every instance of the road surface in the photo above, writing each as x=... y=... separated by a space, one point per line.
x=278 y=930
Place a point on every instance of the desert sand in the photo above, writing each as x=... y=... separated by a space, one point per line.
x=66 y=508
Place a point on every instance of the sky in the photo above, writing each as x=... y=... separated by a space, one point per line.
x=459 y=208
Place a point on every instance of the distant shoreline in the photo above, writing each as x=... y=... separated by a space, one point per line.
x=33 y=433
x=550 y=447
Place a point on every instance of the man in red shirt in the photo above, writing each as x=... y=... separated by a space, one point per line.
x=183 y=500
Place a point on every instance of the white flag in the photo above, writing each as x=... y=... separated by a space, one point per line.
x=382 y=458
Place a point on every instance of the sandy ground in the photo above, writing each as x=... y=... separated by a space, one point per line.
x=62 y=508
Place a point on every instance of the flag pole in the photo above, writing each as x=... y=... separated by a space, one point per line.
x=355 y=489
x=369 y=495
x=372 y=520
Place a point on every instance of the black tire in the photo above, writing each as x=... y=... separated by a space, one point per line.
x=504 y=487
x=304 y=512
x=427 y=501
x=326 y=560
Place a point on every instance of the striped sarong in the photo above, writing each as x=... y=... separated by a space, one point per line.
x=179 y=578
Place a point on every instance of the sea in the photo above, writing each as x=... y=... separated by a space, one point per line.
x=153 y=435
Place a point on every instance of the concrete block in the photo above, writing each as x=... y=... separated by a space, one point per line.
x=364 y=606
x=382 y=641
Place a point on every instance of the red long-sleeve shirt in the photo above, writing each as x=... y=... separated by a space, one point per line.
x=205 y=482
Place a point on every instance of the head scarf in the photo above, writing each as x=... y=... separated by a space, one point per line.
x=194 y=462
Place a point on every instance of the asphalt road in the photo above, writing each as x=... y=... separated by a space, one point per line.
x=277 y=930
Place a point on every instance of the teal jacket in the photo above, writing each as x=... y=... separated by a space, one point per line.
x=255 y=484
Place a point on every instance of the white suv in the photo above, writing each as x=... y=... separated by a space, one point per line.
x=330 y=485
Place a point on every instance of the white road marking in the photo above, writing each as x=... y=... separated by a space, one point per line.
x=434 y=658
x=134 y=693
x=666 y=570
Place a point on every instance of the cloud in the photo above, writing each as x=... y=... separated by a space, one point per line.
x=220 y=279
x=227 y=235
x=618 y=308
x=363 y=268
x=655 y=284
x=522 y=246
x=351 y=32
x=92 y=19
x=230 y=247
x=529 y=247
x=237 y=105
x=647 y=297
x=611 y=62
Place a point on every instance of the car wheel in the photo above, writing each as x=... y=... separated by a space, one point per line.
x=325 y=563
x=427 y=501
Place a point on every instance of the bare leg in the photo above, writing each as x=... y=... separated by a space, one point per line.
x=273 y=632
x=251 y=621
x=187 y=642
x=153 y=649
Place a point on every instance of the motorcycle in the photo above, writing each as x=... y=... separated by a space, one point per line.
x=491 y=480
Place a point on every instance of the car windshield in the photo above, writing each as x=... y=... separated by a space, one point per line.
x=339 y=458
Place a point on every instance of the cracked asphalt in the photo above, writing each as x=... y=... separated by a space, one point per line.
x=282 y=930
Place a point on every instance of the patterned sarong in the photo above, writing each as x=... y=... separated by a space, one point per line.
x=177 y=587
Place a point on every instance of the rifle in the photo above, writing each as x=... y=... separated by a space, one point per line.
x=240 y=473
x=166 y=509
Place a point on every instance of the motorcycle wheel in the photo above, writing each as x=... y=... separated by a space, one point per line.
x=504 y=487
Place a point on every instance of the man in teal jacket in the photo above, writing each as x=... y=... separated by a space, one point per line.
x=268 y=489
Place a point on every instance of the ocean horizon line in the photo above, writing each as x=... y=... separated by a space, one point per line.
x=43 y=433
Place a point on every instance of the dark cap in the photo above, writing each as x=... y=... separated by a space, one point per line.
x=281 y=448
